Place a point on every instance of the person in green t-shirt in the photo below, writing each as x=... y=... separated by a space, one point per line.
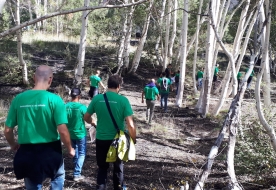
x=106 y=131
x=77 y=130
x=199 y=77
x=40 y=117
x=150 y=92
x=176 y=79
x=94 y=82
x=164 y=86
x=239 y=75
x=249 y=78
x=215 y=78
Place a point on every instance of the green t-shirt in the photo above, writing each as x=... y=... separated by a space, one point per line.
x=37 y=114
x=216 y=71
x=252 y=73
x=150 y=92
x=160 y=82
x=239 y=75
x=76 y=125
x=199 y=74
x=120 y=108
x=94 y=80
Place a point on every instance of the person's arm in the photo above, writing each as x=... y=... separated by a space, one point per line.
x=65 y=138
x=131 y=128
x=158 y=97
x=87 y=117
x=88 y=82
x=102 y=85
x=8 y=132
x=143 y=97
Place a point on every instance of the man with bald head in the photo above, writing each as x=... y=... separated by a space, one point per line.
x=150 y=92
x=40 y=117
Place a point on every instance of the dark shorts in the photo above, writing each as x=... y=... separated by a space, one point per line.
x=93 y=91
x=215 y=78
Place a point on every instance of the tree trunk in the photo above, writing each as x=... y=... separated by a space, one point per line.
x=173 y=34
x=183 y=57
x=128 y=38
x=138 y=52
x=23 y=64
x=196 y=45
x=167 y=35
x=2 y=5
x=44 y=22
x=81 y=53
x=265 y=58
x=158 y=41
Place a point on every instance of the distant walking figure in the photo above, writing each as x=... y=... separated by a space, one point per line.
x=94 y=82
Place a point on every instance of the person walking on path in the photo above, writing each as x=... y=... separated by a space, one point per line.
x=249 y=78
x=150 y=92
x=41 y=119
x=77 y=130
x=106 y=131
x=168 y=71
x=164 y=84
x=199 y=77
x=94 y=82
x=216 y=71
x=176 y=79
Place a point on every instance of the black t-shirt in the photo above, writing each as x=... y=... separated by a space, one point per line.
x=168 y=72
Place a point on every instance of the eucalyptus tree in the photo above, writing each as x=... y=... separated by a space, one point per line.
x=167 y=34
x=138 y=52
x=81 y=54
x=183 y=57
x=2 y=2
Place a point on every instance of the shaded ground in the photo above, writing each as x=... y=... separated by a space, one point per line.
x=172 y=150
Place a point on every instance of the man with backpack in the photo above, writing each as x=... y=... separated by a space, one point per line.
x=150 y=92
x=164 y=84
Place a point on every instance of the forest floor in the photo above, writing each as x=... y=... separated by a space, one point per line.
x=171 y=151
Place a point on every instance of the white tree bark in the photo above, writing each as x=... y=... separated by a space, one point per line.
x=208 y=72
x=183 y=57
x=50 y=15
x=265 y=58
x=196 y=45
x=167 y=35
x=138 y=52
x=81 y=53
x=128 y=38
x=173 y=33
x=38 y=12
x=23 y=64
x=2 y=2
x=158 y=54
x=232 y=59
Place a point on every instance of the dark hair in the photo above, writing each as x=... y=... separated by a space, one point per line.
x=114 y=81
x=75 y=92
x=163 y=74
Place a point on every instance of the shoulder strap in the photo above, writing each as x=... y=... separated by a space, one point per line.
x=110 y=113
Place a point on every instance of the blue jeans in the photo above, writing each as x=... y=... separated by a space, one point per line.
x=80 y=149
x=164 y=100
x=56 y=183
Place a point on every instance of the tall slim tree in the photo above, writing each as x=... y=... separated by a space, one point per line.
x=81 y=53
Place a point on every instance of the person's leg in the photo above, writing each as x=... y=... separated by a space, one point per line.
x=249 y=81
x=118 y=174
x=176 y=84
x=81 y=144
x=166 y=101
x=102 y=147
x=162 y=100
x=148 y=107
x=58 y=181
x=30 y=185
x=152 y=105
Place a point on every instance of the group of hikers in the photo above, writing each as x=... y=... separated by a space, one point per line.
x=43 y=121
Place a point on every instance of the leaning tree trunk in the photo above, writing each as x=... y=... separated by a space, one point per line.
x=196 y=45
x=81 y=53
x=138 y=52
x=23 y=64
x=2 y=5
x=183 y=58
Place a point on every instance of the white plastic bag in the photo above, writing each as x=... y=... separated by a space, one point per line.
x=92 y=134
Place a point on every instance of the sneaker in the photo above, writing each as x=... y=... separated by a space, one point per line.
x=78 y=178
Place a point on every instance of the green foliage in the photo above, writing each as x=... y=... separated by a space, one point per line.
x=254 y=151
